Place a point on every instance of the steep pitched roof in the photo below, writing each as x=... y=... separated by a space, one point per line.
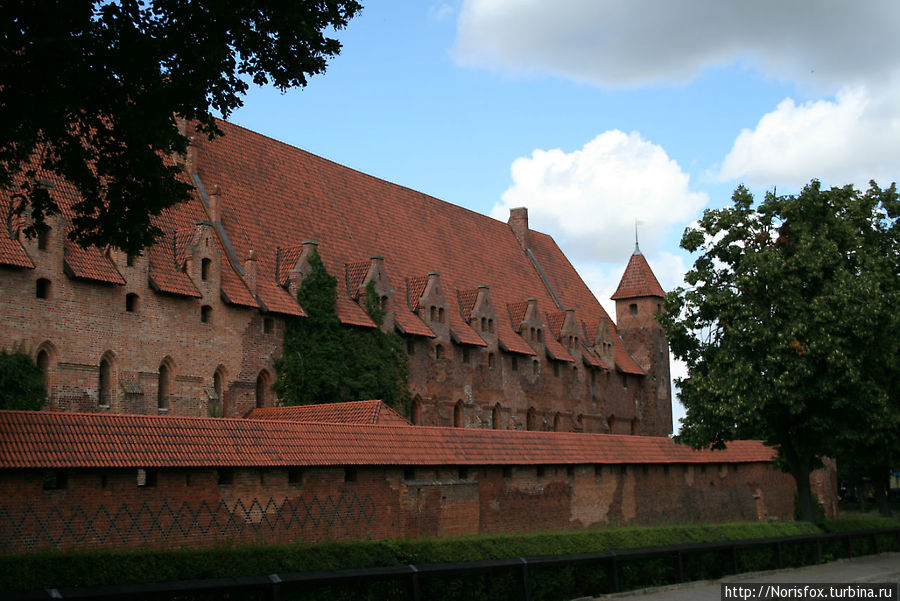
x=12 y=253
x=90 y=264
x=43 y=439
x=638 y=280
x=351 y=412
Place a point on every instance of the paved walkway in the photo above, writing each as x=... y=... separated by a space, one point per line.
x=871 y=568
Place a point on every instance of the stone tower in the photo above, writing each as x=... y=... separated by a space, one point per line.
x=639 y=298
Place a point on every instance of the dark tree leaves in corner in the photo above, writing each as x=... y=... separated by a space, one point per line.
x=21 y=381
x=326 y=362
x=93 y=92
x=791 y=331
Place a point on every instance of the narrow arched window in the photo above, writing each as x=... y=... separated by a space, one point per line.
x=484 y=324
x=490 y=325
x=531 y=419
x=440 y=315
x=433 y=313
x=164 y=386
x=217 y=407
x=495 y=417
x=415 y=415
x=458 y=421
x=42 y=288
x=557 y=423
x=42 y=239
x=262 y=389
x=205 y=264
x=105 y=384
x=43 y=363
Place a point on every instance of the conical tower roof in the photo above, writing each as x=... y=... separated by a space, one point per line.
x=638 y=280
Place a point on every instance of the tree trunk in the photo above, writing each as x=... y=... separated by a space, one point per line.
x=804 y=495
x=880 y=484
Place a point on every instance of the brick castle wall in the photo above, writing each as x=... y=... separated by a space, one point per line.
x=173 y=508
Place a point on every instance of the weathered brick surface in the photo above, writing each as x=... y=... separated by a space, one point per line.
x=205 y=507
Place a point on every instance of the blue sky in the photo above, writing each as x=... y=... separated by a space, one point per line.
x=595 y=113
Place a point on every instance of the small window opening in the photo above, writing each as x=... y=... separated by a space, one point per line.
x=146 y=478
x=433 y=313
x=492 y=361
x=384 y=304
x=536 y=367
x=129 y=260
x=56 y=480
x=225 y=476
x=268 y=325
x=633 y=308
x=531 y=419
x=131 y=300
x=533 y=334
x=205 y=312
x=495 y=417
x=540 y=335
x=438 y=351
x=105 y=384
x=440 y=315
x=410 y=347
x=164 y=386
x=465 y=354
x=204 y=269
x=556 y=369
x=295 y=476
x=484 y=324
x=514 y=361
x=42 y=288
x=458 y=421
x=490 y=325
x=42 y=239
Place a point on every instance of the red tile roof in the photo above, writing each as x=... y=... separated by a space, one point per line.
x=354 y=274
x=461 y=331
x=555 y=322
x=638 y=280
x=43 y=439
x=276 y=299
x=415 y=288
x=234 y=290
x=557 y=350
x=410 y=323
x=163 y=273
x=90 y=264
x=467 y=300
x=351 y=412
x=12 y=253
x=287 y=258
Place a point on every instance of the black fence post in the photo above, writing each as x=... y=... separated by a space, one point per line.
x=680 y=556
x=818 y=549
x=525 y=587
x=734 y=560
x=849 y=540
x=414 y=590
x=614 y=565
x=274 y=587
x=778 y=559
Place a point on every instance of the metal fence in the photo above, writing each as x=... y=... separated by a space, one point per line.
x=274 y=586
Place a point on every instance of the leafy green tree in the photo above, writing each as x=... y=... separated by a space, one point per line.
x=21 y=383
x=790 y=328
x=325 y=362
x=93 y=90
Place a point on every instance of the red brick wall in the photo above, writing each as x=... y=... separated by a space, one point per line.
x=192 y=508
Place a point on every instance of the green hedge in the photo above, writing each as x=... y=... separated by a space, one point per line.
x=103 y=568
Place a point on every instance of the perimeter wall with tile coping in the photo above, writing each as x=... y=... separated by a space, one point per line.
x=181 y=508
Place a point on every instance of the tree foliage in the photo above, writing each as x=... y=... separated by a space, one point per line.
x=21 y=383
x=92 y=91
x=790 y=328
x=325 y=362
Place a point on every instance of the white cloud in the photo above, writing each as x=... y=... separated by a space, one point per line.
x=826 y=43
x=589 y=199
x=851 y=139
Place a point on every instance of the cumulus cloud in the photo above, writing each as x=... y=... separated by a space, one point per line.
x=589 y=199
x=851 y=139
x=612 y=43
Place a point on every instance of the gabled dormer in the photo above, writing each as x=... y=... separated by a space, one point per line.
x=427 y=299
x=199 y=258
x=599 y=337
x=292 y=264
x=357 y=277
x=478 y=311
x=526 y=321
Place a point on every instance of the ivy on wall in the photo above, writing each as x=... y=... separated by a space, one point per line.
x=21 y=384
x=326 y=362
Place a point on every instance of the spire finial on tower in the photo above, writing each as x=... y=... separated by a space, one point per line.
x=637 y=248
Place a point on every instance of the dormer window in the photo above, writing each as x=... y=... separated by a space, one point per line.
x=433 y=313
x=490 y=325
x=484 y=324
x=205 y=264
x=384 y=304
x=440 y=315
x=540 y=335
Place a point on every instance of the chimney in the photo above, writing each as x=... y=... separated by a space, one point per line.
x=518 y=223
x=250 y=271
x=215 y=199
